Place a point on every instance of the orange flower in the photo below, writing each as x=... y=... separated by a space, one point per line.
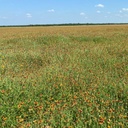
x=4 y=118
x=20 y=104
x=101 y=120
x=2 y=91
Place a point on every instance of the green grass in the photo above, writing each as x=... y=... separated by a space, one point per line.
x=64 y=82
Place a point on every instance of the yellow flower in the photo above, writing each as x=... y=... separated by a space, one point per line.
x=4 y=118
x=3 y=66
x=61 y=84
x=20 y=120
x=20 y=104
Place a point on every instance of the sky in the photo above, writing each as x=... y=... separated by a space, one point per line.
x=26 y=12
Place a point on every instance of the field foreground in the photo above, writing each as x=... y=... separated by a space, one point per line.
x=64 y=77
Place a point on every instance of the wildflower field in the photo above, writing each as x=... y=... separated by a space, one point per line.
x=64 y=77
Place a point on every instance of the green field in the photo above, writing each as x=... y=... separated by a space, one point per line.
x=64 y=77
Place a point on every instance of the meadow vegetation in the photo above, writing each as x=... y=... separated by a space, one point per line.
x=64 y=77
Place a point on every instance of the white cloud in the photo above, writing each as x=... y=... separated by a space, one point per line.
x=82 y=14
x=28 y=15
x=121 y=15
x=118 y=15
x=98 y=11
x=109 y=12
x=126 y=15
x=124 y=9
x=99 y=5
x=4 y=17
x=51 y=10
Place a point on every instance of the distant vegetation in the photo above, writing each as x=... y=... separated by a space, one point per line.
x=64 y=77
x=64 y=24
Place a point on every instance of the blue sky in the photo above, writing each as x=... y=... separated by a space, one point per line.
x=24 y=12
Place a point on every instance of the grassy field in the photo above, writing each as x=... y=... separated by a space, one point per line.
x=64 y=77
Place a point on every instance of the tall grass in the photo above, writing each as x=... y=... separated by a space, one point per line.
x=64 y=80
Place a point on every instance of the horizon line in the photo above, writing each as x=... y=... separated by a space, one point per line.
x=61 y=24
